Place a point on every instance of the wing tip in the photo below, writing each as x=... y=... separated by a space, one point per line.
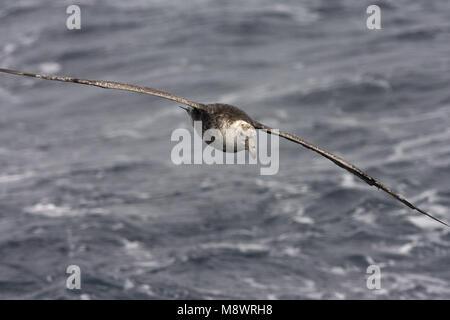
x=432 y=217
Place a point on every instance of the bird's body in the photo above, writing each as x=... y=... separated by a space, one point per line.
x=232 y=123
x=235 y=126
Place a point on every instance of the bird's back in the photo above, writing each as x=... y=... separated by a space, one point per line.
x=223 y=115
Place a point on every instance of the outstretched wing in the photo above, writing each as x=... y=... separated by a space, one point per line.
x=343 y=164
x=110 y=85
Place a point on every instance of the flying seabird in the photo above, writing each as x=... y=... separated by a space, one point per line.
x=224 y=116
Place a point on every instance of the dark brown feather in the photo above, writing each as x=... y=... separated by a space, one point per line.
x=110 y=85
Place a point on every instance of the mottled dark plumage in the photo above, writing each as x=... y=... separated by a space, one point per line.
x=218 y=115
x=222 y=116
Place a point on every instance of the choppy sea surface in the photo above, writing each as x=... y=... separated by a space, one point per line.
x=86 y=177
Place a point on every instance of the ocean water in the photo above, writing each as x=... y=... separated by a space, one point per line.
x=86 y=177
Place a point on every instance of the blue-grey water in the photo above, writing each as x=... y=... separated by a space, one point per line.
x=86 y=177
